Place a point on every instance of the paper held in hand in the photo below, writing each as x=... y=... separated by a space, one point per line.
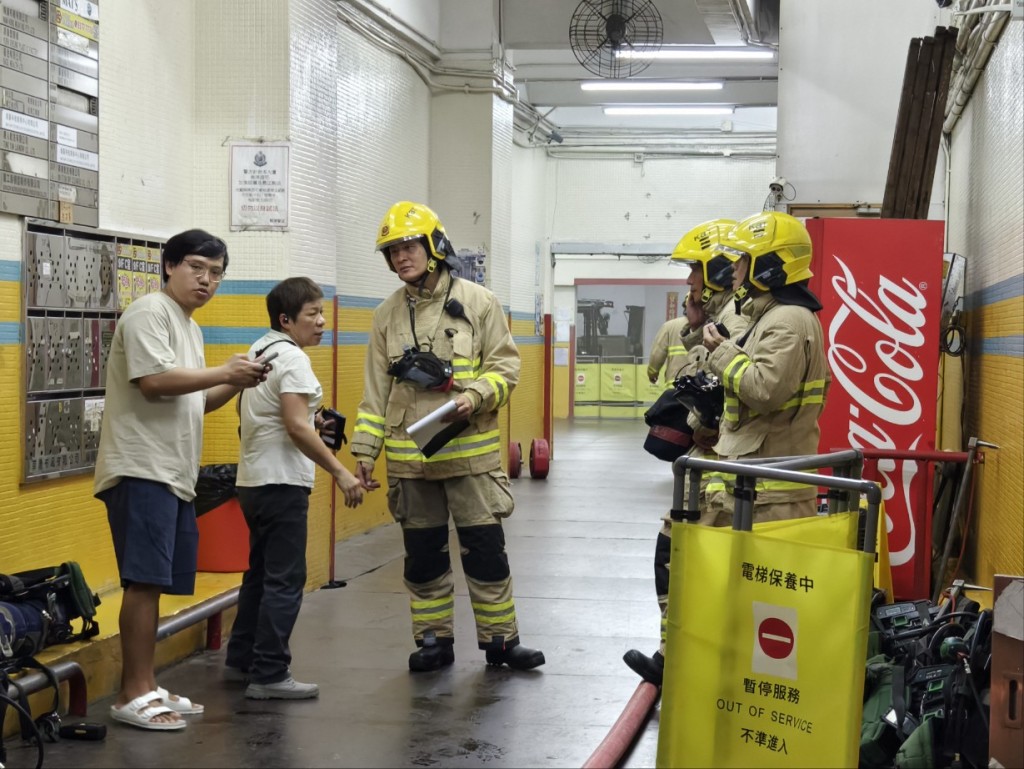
x=430 y=433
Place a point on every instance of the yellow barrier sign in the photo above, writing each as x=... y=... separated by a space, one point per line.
x=588 y=386
x=618 y=382
x=764 y=664
x=645 y=391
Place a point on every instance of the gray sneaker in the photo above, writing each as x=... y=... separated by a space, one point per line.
x=288 y=689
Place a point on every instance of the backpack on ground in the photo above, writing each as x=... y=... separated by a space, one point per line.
x=38 y=609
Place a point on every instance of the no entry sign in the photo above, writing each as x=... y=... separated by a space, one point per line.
x=776 y=638
x=774 y=642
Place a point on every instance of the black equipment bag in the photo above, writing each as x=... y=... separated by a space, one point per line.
x=37 y=609
x=669 y=437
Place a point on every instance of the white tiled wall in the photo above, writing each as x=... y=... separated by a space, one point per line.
x=500 y=257
x=313 y=130
x=382 y=155
x=242 y=60
x=529 y=253
x=617 y=200
x=461 y=169
x=986 y=218
x=148 y=64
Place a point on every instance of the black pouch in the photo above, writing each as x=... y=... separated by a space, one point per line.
x=336 y=441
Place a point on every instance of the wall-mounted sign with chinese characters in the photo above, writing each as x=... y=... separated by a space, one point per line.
x=259 y=185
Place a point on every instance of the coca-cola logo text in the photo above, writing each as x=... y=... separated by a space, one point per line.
x=882 y=396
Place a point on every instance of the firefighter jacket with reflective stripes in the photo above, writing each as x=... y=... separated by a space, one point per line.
x=775 y=387
x=485 y=364
x=667 y=349
x=720 y=309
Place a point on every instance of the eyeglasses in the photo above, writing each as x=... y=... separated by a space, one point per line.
x=199 y=270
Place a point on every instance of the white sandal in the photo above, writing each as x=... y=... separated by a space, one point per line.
x=139 y=712
x=182 y=705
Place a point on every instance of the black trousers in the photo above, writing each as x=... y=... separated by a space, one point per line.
x=272 y=588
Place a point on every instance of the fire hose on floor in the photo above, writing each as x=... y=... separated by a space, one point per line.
x=624 y=731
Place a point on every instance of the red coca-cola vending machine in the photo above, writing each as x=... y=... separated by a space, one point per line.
x=880 y=281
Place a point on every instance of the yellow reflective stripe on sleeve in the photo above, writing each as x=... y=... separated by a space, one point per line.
x=464 y=368
x=676 y=349
x=500 y=387
x=734 y=372
x=369 y=423
x=731 y=408
x=814 y=391
x=457 y=448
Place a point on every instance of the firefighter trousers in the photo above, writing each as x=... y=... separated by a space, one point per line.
x=476 y=504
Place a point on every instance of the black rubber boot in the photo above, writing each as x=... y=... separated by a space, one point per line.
x=436 y=653
x=651 y=669
x=517 y=657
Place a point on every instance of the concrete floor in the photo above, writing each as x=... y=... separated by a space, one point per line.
x=581 y=545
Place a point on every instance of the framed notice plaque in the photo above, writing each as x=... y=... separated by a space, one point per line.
x=259 y=185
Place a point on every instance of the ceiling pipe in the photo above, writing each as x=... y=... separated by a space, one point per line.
x=745 y=22
x=980 y=44
x=353 y=14
x=369 y=25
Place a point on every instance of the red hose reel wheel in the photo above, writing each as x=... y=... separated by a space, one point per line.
x=515 y=460
x=540 y=457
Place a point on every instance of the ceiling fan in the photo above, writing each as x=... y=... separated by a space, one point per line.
x=600 y=29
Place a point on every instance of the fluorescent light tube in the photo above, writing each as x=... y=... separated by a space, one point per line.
x=668 y=110
x=706 y=53
x=647 y=85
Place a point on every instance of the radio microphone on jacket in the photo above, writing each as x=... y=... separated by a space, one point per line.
x=455 y=309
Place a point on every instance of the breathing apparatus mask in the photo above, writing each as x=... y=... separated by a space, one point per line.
x=703 y=394
x=423 y=369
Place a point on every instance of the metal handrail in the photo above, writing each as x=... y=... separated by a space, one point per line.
x=743 y=520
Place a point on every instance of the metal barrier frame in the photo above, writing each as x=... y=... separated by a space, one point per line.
x=780 y=469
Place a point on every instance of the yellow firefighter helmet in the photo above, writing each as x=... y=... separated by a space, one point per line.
x=698 y=248
x=779 y=248
x=409 y=221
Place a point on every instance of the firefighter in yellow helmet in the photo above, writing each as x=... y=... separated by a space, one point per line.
x=776 y=376
x=442 y=340
x=710 y=299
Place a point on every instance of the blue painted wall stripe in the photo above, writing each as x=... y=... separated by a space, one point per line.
x=261 y=288
x=1011 y=346
x=1010 y=288
x=528 y=340
x=246 y=335
x=10 y=270
x=353 y=338
x=10 y=333
x=365 y=302
x=518 y=315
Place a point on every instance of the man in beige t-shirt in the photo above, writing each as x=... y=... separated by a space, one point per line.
x=158 y=388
